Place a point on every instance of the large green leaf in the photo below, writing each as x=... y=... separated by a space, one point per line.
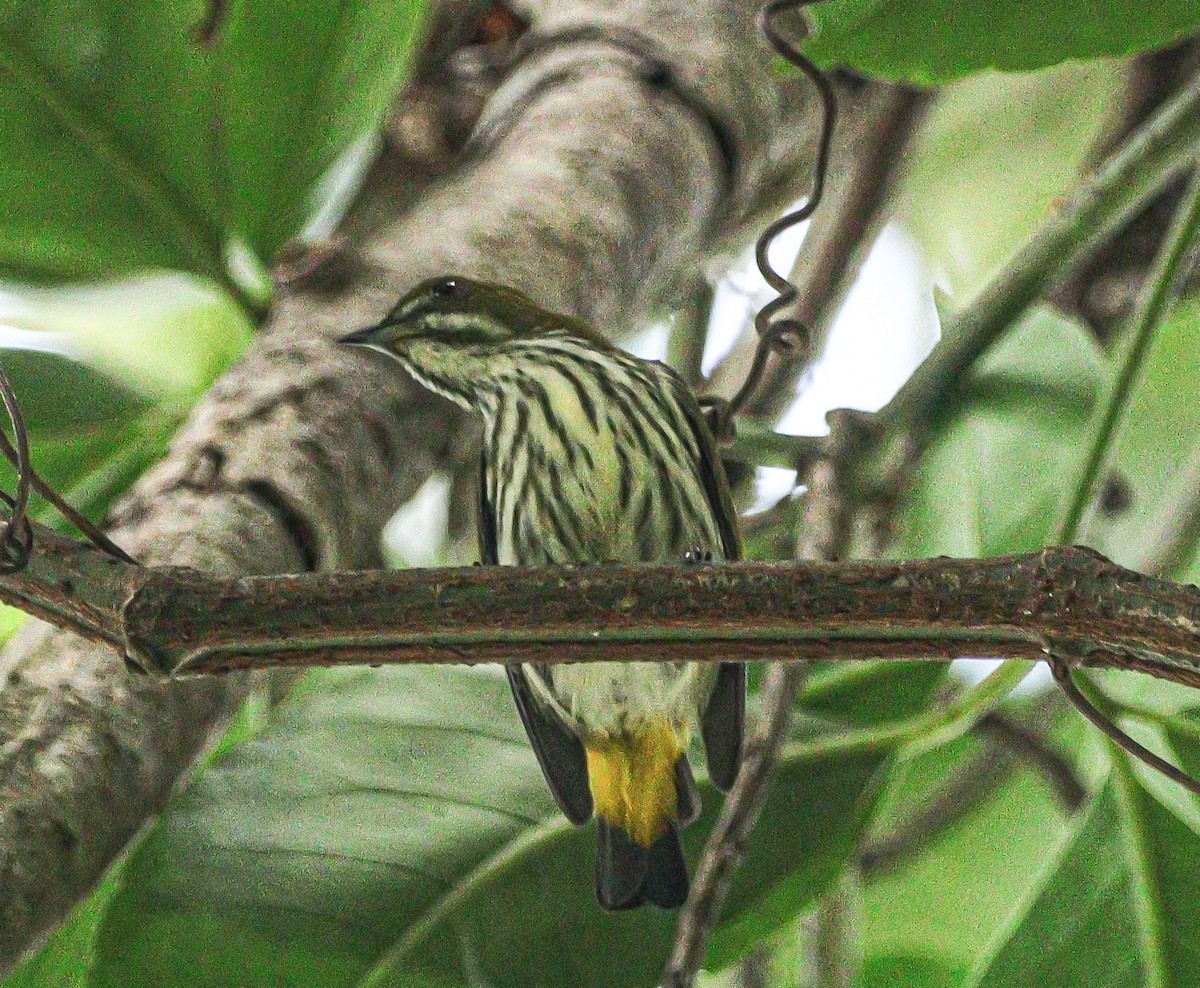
x=396 y=821
x=61 y=396
x=928 y=913
x=164 y=336
x=928 y=41
x=992 y=480
x=863 y=693
x=990 y=160
x=137 y=137
x=305 y=80
x=1118 y=909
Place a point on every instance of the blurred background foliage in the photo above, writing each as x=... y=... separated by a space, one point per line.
x=390 y=827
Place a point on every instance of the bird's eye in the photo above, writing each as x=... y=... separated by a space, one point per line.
x=449 y=288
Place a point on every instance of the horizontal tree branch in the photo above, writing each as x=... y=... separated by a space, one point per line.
x=1069 y=601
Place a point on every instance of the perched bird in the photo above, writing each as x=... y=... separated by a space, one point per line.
x=591 y=455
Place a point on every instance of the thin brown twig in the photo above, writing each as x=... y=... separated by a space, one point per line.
x=1063 y=675
x=754 y=969
x=178 y=621
x=727 y=842
x=17 y=540
x=834 y=957
x=777 y=333
x=1067 y=603
x=17 y=453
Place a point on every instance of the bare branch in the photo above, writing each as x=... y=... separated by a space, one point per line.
x=175 y=621
x=835 y=952
x=727 y=843
x=823 y=534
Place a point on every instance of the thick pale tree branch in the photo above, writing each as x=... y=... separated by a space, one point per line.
x=597 y=170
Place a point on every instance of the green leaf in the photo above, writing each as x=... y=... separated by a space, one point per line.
x=293 y=108
x=864 y=693
x=992 y=479
x=396 y=821
x=164 y=336
x=1118 y=908
x=60 y=396
x=991 y=159
x=1156 y=456
x=89 y=145
x=117 y=366
x=134 y=139
x=911 y=972
x=932 y=41
x=934 y=909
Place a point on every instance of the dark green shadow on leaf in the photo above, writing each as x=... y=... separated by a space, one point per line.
x=400 y=814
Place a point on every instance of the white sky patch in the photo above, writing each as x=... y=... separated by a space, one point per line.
x=416 y=534
x=885 y=329
x=649 y=343
x=972 y=672
x=15 y=338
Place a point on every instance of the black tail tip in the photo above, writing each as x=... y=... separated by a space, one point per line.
x=629 y=875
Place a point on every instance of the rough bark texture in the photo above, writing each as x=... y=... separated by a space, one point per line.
x=595 y=173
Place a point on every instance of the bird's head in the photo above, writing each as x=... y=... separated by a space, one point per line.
x=450 y=332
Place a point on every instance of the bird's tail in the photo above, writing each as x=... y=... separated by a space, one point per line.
x=644 y=793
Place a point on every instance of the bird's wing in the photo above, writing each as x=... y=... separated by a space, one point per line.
x=559 y=751
x=723 y=722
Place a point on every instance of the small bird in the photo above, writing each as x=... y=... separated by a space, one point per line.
x=591 y=455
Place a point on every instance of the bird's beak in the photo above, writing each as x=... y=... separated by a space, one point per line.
x=362 y=337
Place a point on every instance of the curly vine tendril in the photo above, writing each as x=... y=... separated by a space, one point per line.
x=780 y=334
